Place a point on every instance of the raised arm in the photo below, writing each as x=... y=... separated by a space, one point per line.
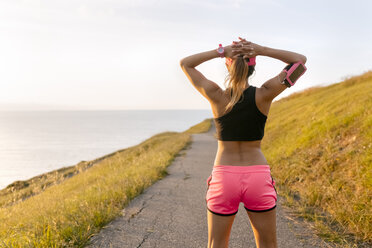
x=283 y=55
x=272 y=87
x=206 y=87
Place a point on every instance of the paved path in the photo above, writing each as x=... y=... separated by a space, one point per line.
x=172 y=212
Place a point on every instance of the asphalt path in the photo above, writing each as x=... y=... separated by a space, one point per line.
x=172 y=212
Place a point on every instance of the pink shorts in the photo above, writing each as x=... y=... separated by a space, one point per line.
x=228 y=185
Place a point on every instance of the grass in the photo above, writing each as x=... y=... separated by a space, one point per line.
x=69 y=210
x=318 y=143
x=20 y=190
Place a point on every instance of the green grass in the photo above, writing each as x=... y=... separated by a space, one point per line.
x=67 y=212
x=318 y=143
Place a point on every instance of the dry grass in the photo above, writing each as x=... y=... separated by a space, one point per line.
x=68 y=213
x=318 y=143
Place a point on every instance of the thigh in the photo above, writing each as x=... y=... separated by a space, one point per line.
x=219 y=228
x=264 y=227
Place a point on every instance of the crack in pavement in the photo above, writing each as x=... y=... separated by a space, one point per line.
x=151 y=230
x=130 y=216
x=167 y=211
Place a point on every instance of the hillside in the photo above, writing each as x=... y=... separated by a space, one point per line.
x=318 y=143
x=65 y=207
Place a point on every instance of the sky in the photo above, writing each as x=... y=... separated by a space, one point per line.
x=121 y=54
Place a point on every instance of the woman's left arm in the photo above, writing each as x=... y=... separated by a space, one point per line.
x=207 y=88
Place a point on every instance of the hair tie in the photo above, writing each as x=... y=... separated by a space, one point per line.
x=249 y=61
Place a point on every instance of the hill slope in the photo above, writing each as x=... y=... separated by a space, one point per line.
x=66 y=212
x=318 y=143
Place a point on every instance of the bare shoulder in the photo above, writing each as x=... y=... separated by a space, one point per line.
x=273 y=87
x=218 y=107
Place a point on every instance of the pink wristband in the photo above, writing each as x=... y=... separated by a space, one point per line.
x=221 y=51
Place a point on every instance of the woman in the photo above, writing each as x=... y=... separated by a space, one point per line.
x=240 y=172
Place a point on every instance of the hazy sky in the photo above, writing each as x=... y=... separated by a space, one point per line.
x=121 y=54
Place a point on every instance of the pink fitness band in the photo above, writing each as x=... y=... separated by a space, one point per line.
x=294 y=72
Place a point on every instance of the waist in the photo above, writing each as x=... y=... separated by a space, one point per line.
x=240 y=156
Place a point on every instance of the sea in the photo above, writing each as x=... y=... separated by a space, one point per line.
x=35 y=142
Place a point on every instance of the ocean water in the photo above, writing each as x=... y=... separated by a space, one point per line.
x=35 y=142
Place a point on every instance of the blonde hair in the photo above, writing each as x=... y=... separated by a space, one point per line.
x=237 y=77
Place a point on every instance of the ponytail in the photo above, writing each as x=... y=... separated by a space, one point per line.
x=237 y=79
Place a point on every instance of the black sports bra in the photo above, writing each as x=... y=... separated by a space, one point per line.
x=244 y=122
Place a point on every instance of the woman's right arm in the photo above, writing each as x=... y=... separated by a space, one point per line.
x=283 y=55
x=272 y=87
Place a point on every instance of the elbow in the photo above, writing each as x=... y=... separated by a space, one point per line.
x=182 y=63
x=303 y=59
x=186 y=63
